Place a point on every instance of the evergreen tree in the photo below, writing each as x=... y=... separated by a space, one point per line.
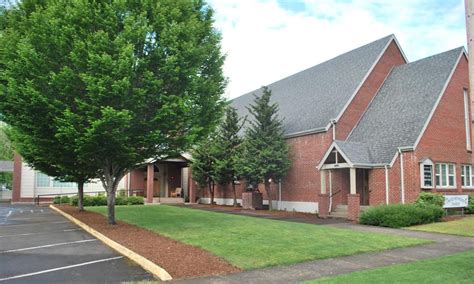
x=204 y=160
x=265 y=153
x=228 y=146
x=108 y=84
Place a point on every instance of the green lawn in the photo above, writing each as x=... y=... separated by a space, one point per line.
x=463 y=227
x=457 y=268
x=249 y=242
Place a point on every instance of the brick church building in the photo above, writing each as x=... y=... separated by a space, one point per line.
x=368 y=128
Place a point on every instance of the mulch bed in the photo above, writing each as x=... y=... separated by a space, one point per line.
x=179 y=259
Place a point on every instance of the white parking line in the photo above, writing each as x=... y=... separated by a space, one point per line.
x=59 y=268
x=47 y=246
x=36 y=223
x=39 y=233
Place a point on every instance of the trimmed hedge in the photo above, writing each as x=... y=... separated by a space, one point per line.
x=470 y=205
x=401 y=215
x=428 y=198
x=61 y=200
x=101 y=200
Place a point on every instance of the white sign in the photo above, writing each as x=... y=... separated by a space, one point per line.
x=455 y=201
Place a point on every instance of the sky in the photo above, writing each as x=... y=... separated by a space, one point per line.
x=268 y=40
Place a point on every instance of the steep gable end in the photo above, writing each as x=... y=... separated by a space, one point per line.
x=399 y=112
x=310 y=99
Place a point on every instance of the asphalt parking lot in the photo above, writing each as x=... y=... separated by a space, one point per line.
x=38 y=245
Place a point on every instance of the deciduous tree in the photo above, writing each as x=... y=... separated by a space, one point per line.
x=118 y=82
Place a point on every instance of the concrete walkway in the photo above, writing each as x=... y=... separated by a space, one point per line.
x=443 y=245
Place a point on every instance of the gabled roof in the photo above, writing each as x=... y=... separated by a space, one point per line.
x=403 y=106
x=310 y=99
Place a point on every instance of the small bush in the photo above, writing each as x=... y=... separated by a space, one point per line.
x=401 y=215
x=470 y=205
x=136 y=200
x=56 y=199
x=61 y=199
x=74 y=200
x=428 y=198
x=121 y=200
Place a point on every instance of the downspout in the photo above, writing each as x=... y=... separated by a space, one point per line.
x=333 y=123
x=402 y=178
x=279 y=194
x=330 y=190
x=386 y=185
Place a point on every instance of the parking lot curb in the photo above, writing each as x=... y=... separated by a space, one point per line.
x=146 y=264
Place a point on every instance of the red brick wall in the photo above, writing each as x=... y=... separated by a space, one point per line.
x=443 y=141
x=391 y=58
x=137 y=179
x=303 y=180
x=16 y=190
x=445 y=138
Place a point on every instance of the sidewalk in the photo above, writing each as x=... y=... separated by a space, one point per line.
x=443 y=245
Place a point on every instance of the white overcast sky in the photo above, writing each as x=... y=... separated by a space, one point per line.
x=267 y=40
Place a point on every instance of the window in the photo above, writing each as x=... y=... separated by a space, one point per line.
x=467 y=120
x=467 y=177
x=445 y=175
x=42 y=180
x=426 y=173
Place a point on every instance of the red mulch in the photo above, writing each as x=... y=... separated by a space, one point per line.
x=179 y=259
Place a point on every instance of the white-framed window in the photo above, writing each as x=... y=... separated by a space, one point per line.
x=467 y=176
x=445 y=175
x=42 y=180
x=426 y=173
x=467 y=120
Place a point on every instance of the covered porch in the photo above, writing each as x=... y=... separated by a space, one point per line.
x=344 y=184
x=163 y=181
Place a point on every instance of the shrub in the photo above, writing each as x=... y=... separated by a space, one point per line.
x=121 y=200
x=470 y=205
x=136 y=200
x=401 y=215
x=61 y=199
x=100 y=200
x=57 y=199
x=428 y=198
x=74 y=200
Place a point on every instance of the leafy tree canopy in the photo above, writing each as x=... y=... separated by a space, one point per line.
x=116 y=82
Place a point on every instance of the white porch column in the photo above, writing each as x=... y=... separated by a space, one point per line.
x=323 y=181
x=353 y=180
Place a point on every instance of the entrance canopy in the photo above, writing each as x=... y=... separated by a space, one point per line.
x=343 y=154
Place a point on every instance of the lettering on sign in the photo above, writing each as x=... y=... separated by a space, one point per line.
x=455 y=201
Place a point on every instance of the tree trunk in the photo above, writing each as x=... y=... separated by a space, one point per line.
x=235 y=194
x=268 y=191
x=80 y=200
x=111 y=208
x=211 y=192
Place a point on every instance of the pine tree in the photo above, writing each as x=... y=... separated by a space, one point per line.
x=204 y=159
x=265 y=153
x=228 y=145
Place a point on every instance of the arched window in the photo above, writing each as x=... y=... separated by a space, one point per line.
x=426 y=173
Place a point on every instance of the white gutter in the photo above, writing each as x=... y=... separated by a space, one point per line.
x=402 y=178
x=330 y=190
x=279 y=194
x=386 y=185
x=333 y=124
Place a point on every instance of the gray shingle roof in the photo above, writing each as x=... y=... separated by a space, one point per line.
x=399 y=111
x=358 y=153
x=309 y=99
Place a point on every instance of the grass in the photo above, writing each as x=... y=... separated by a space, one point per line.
x=463 y=227
x=249 y=242
x=456 y=268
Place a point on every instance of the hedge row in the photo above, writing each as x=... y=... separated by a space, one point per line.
x=401 y=215
x=100 y=200
x=470 y=206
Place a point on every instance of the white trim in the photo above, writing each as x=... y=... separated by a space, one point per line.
x=467 y=120
x=438 y=100
x=386 y=186
x=335 y=166
x=471 y=177
x=427 y=162
x=306 y=132
x=329 y=151
x=402 y=178
x=297 y=206
x=447 y=186
x=366 y=76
